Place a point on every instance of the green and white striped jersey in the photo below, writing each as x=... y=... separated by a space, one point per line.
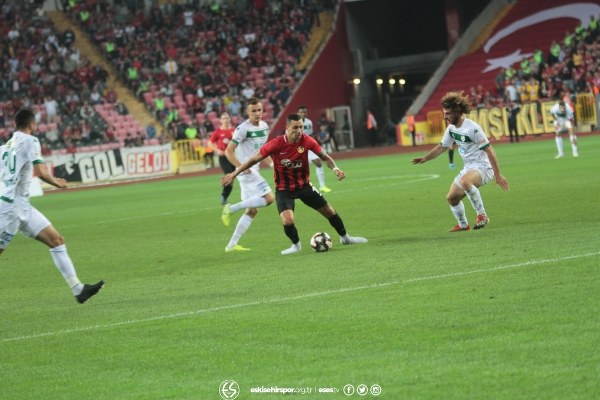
x=17 y=157
x=471 y=142
x=249 y=139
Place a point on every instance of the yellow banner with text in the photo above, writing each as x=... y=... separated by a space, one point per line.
x=533 y=119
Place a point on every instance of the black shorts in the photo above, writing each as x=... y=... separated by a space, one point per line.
x=226 y=166
x=309 y=195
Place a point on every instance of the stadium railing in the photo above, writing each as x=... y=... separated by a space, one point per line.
x=585 y=110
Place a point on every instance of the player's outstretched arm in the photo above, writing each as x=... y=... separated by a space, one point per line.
x=502 y=182
x=230 y=154
x=214 y=147
x=436 y=151
x=228 y=179
x=42 y=172
x=331 y=164
x=500 y=179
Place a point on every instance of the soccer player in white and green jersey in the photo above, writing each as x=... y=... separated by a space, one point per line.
x=19 y=159
x=481 y=163
x=248 y=137
x=563 y=123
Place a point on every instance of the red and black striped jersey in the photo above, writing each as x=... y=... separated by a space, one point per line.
x=290 y=160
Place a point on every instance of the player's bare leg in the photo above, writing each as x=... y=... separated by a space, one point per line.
x=58 y=250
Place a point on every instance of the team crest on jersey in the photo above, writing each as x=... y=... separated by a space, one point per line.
x=300 y=149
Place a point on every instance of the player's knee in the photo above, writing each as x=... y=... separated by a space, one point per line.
x=317 y=162
x=287 y=220
x=287 y=217
x=251 y=212
x=453 y=199
x=465 y=184
x=56 y=241
x=327 y=211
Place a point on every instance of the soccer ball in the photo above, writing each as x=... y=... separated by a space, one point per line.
x=320 y=242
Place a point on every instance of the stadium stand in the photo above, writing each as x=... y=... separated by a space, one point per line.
x=526 y=61
x=41 y=70
x=190 y=62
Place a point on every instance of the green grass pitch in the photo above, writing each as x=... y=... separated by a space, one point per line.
x=506 y=312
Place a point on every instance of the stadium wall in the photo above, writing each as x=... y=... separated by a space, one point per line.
x=326 y=83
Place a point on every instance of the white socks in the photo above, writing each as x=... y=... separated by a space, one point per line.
x=459 y=214
x=475 y=199
x=65 y=266
x=559 y=144
x=254 y=202
x=321 y=176
x=241 y=228
x=573 y=139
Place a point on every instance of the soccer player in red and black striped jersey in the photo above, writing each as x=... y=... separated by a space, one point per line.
x=218 y=141
x=292 y=180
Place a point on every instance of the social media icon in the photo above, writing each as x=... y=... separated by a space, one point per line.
x=362 y=389
x=375 y=390
x=348 y=390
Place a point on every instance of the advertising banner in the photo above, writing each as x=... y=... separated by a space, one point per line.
x=112 y=165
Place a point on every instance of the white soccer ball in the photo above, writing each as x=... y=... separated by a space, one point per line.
x=320 y=242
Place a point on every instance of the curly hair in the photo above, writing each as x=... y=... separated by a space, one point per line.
x=456 y=101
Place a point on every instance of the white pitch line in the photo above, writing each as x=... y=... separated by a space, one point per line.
x=299 y=297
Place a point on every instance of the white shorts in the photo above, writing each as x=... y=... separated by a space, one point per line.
x=312 y=156
x=30 y=223
x=253 y=185
x=562 y=126
x=487 y=174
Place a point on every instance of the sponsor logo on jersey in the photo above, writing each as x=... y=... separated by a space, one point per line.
x=460 y=137
x=256 y=134
x=291 y=164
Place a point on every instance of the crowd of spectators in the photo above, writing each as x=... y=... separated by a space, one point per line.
x=190 y=62
x=197 y=59
x=569 y=67
x=40 y=69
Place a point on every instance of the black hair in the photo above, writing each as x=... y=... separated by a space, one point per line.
x=253 y=101
x=293 y=117
x=23 y=118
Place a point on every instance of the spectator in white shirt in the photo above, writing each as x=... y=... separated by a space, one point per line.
x=170 y=67
x=247 y=91
x=243 y=52
x=51 y=109
x=188 y=18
